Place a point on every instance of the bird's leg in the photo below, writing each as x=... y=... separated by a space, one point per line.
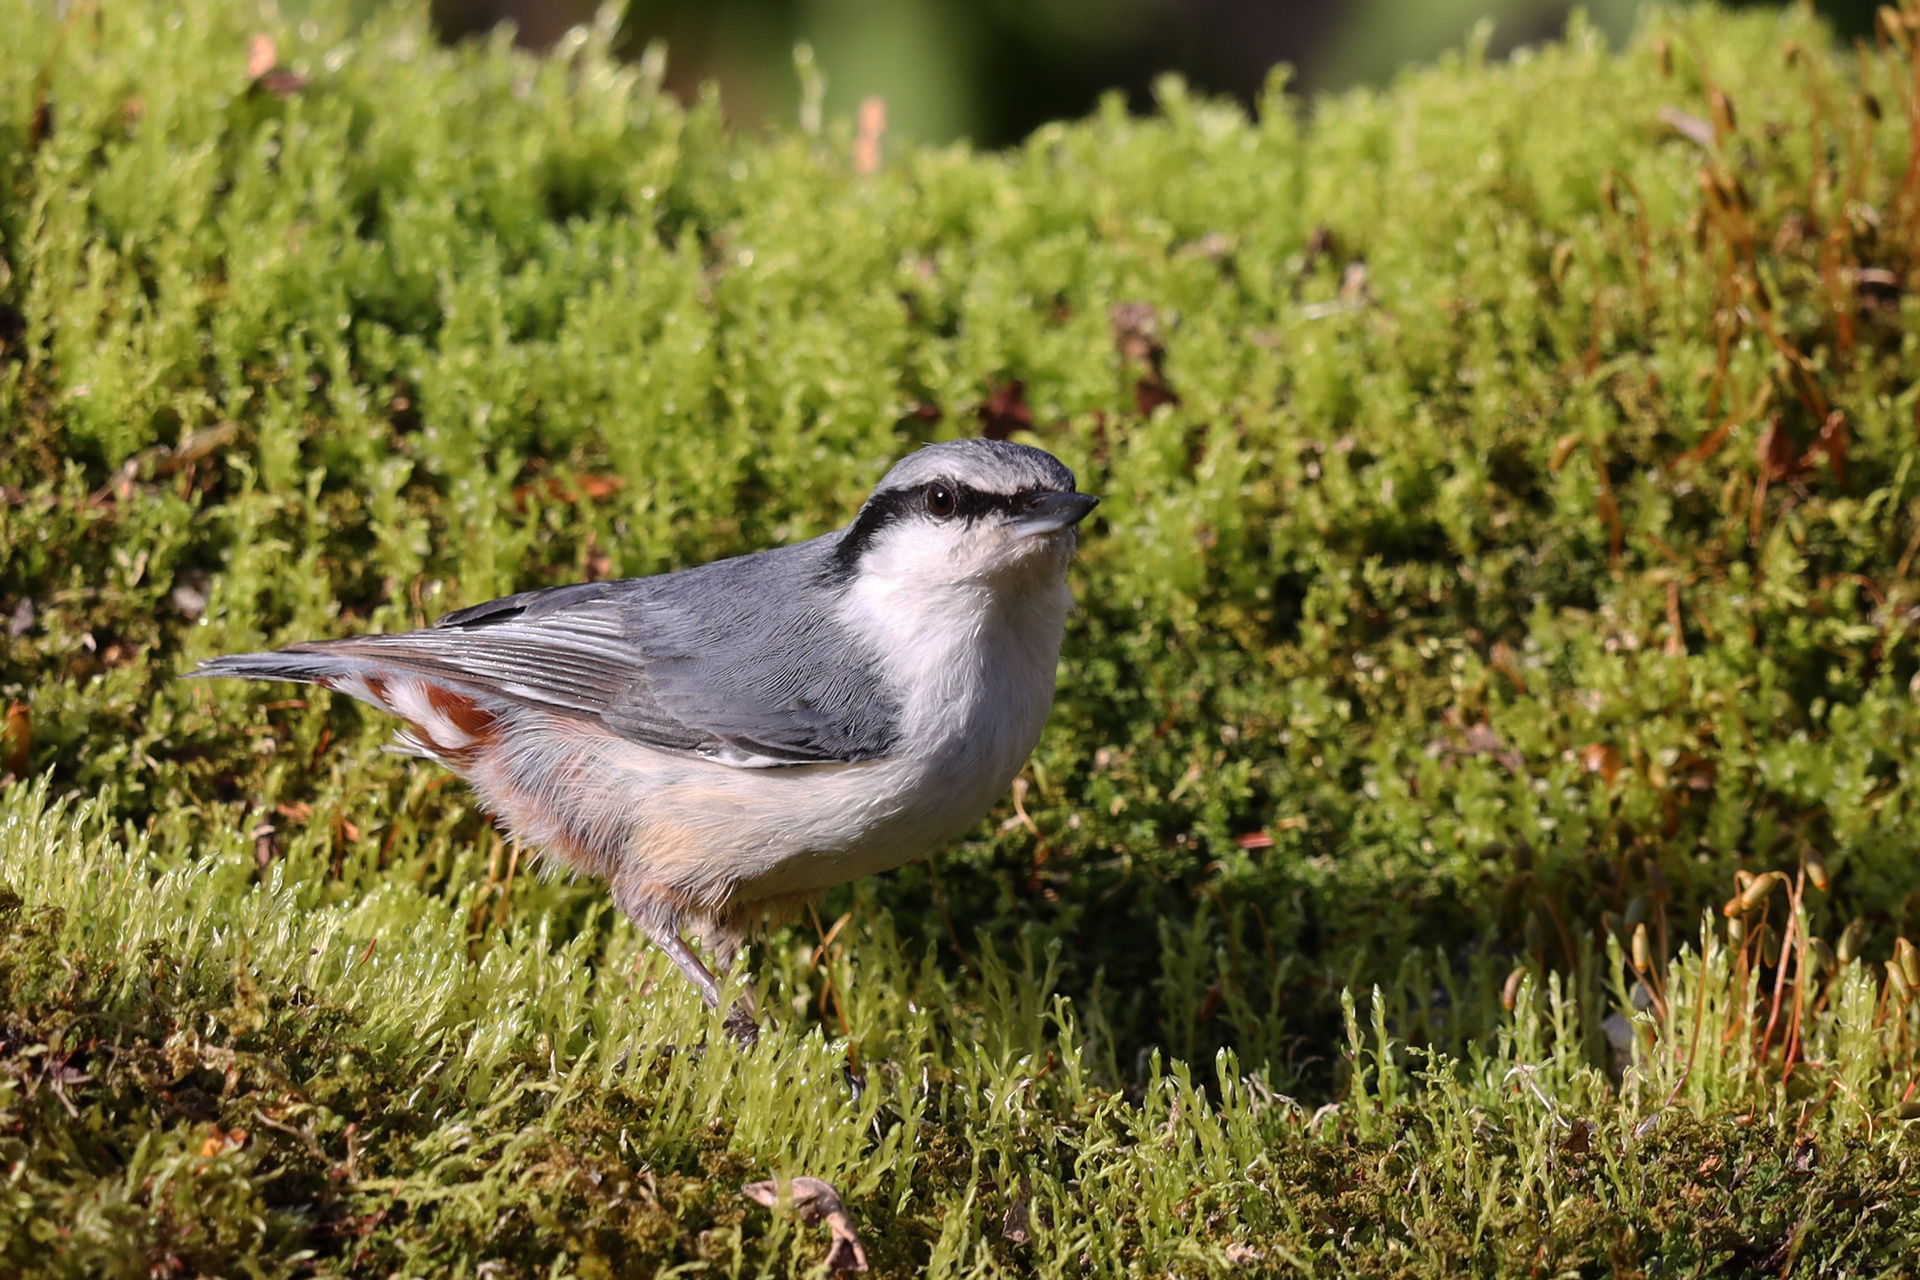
x=664 y=936
x=661 y=923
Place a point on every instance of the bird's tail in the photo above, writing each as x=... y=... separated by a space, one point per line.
x=301 y=663
x=446 y=721
x=329 y=664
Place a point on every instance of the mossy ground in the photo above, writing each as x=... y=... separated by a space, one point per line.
x=1506 y=553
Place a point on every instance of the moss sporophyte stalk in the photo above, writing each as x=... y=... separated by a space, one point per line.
x=1473 y=832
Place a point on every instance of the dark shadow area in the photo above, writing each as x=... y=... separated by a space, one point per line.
x=993 y=72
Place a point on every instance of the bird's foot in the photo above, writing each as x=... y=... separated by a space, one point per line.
x=742 y=1025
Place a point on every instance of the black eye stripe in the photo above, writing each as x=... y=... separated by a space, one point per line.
x=890 y=506
x=970 y=504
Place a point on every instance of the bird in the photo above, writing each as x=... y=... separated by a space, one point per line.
x=721 y=744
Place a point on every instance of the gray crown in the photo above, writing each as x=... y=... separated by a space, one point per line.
x=991 y=466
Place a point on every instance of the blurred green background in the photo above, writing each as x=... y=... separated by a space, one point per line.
x=992 y=70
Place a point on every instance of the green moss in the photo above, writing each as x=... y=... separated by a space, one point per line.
x=198 y=1076
x=1507 y=540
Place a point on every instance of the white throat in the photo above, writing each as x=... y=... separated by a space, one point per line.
x=967 y=635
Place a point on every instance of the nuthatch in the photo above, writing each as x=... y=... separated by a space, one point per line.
x=731 y=739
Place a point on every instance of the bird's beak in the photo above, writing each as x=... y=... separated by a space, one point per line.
x=1054 y=511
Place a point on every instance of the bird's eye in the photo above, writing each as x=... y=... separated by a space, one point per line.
x=940 y=500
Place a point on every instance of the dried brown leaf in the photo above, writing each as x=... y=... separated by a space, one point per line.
x=815 y=1201
x=1597 y=757
x=261 y=56
x=866 y=146
x=1503 y=659
x=1005 y=410
x=1562 y=450
x=16 y=740
x=1690 y=127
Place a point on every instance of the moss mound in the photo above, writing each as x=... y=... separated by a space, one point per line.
x=1506 y=555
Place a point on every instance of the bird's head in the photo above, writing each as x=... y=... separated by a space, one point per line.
x=967 y=512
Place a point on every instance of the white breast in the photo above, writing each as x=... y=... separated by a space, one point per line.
x=972 y=665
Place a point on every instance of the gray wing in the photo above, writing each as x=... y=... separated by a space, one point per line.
x=740 y=660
